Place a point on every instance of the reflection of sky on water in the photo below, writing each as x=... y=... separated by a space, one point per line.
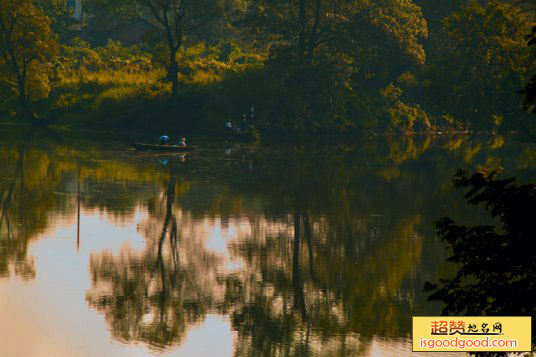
x=219 y=236
x=61 y=323
x=372 y=247
x=62 y=280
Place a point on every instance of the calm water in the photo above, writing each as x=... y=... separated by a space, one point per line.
x=231 y=250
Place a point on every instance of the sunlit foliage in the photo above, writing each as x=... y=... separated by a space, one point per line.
x=26 y=50
x=484 y=63
x=319 y=67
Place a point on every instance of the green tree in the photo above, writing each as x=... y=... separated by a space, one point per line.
x=482 y=63
x=324 y=52
x=307 y=26
x=27 y=46
x=108 y=15
x=530 y=89
x=178 y=19
x=61 y=18
x=493 y=263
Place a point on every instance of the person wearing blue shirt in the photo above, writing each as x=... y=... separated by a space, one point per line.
x=163 y=140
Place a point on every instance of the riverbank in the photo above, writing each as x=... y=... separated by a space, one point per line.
x=133 y=100
x=140 y=101
x=24 y=132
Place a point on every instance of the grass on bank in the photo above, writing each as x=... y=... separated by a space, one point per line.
x=107 y=97
x=141 y=100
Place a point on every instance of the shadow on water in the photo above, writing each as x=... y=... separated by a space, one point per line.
x=319 y=249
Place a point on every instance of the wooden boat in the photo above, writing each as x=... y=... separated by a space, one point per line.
x=154 y=147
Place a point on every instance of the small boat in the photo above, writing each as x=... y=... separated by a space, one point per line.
x=154 y=147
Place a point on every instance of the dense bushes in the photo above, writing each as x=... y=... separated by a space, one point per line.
x=373 y=69
x=113 y=85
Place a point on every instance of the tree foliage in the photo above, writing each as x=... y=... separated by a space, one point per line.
x=323 y=51
x=179 y=19
x=62 y=22
x=27 y=48
x=319 y=66
x=530 y=89
x=496 y=264
x=110 y=14
x=483 y=63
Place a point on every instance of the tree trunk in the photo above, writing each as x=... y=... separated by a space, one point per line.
x=23 y=101
x=299 y=299
x=301 y=41
x=308 y=236
x=173 y=72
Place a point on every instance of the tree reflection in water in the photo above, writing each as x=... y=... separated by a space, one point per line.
x=13 y=241
x=318 y=269
x=339 y=241
x=154 y=296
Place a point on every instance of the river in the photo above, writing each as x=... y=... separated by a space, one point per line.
x=263 y=249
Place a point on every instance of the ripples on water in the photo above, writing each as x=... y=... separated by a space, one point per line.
x=244 y=250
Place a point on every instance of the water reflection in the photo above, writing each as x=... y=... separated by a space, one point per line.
x=305 y=250
x=155 y=295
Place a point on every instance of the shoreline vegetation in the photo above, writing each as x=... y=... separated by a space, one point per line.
x=404 y=68
x=134 y=134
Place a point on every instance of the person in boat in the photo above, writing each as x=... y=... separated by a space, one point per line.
x=163 y=140
x=182 y=142
x=229 y=127
x=244 y=125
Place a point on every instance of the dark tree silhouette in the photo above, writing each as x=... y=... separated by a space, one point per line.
x=496 y=265
x=530 y=90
